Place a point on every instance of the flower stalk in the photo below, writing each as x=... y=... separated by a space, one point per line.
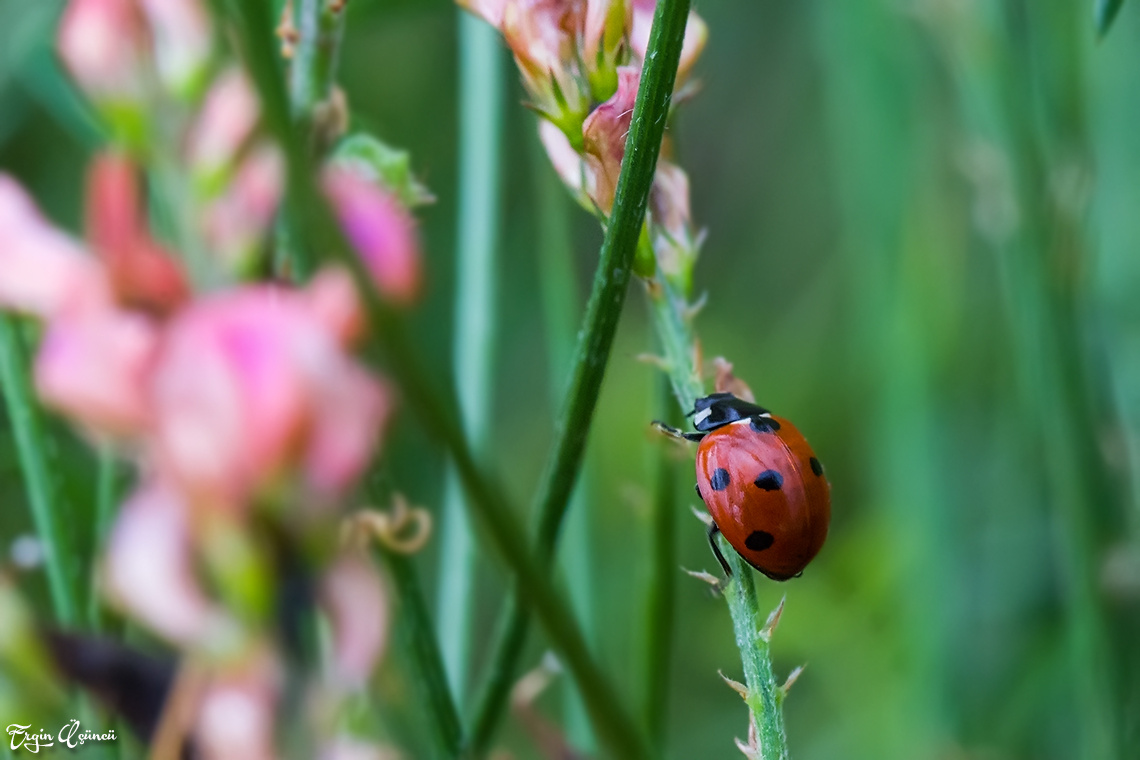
x=611 y=280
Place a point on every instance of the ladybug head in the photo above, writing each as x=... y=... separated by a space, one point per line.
x=719 y=409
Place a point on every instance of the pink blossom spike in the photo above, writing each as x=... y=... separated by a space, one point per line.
x=93 y=365
x=42 y=270
x=381 y=230
x=103 y=43
x=148 y=567
x=353 y=595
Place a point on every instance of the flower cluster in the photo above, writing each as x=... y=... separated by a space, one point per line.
x=580 y=62
x=240 y=402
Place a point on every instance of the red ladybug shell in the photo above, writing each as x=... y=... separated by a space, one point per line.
x=766 y=492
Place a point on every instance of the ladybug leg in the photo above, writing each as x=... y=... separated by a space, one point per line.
x=673 y=432
x=713 y=531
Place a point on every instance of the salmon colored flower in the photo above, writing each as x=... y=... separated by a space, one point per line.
x=696 y=35
x=143 y=275
x=381 y=230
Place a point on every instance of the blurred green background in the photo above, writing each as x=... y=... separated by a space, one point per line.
x=923 y=247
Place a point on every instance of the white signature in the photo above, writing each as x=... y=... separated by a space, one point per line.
x=70 y=736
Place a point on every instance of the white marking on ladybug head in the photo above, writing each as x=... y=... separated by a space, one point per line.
x=702 y=416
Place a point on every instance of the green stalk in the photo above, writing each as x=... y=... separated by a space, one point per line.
x=33 y=449
x=607 y=297
x=662 y=590
x=480 y=109
x=417 y=637
x=437 y=410
x=312 y=74
x=753 y=636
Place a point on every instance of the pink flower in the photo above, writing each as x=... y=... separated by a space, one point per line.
x=235 y=222
x=357 y=605
x=381 y=230
x=225 y=123
x=148 y=567
x=41 y=268
x=251 y=384
x=94 y=365
x=104 y=44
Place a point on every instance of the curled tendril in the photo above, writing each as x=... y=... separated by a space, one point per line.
x=402 y=529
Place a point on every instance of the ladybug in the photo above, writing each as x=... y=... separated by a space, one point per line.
x=762 y=485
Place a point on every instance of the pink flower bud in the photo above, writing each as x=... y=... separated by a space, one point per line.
x=542 y=36
x=148 y=568
x=104 y=45
x=93 y=365
x=43 y=269
x=143 y=275
x=182 y=41
x=225 y=123
x=334 y=302
x=356 y=602
x=381 y=230
x=605 y=131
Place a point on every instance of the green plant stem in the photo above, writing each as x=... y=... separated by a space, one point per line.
x=662 y=589
x=672 y=322
x=312 y=74
x=481 y=111
x=32 y=446
x=436 y=409
x=753 y=637
x=611 y=280
x=418 y=639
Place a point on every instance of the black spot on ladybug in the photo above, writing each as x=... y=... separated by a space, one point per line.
x=816 y=467
x=720 y=479
x=769 y=480
x=759 y=540
x=764 y=424
x=697 y=488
